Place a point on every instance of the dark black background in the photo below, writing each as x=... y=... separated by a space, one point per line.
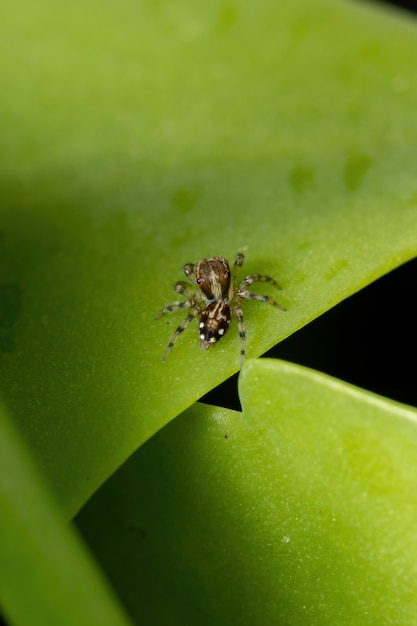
x=406 y=4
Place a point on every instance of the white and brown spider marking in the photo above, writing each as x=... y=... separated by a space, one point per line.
x=215 y=298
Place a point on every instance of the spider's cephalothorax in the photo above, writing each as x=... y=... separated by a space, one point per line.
x=215 y=298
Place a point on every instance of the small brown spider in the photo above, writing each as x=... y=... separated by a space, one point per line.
x=215 y=299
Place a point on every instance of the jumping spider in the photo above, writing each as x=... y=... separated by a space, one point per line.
x=215 y=299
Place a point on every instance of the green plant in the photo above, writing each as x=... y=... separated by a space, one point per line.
x=136 y=139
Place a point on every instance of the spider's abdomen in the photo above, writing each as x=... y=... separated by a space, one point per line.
x=214 y=322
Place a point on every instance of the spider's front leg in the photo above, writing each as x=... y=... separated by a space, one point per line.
x=239 y=260
x=185 y=289
x=189 y=271
x=251 y=295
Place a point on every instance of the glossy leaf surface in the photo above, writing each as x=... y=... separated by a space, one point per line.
x=300 y=510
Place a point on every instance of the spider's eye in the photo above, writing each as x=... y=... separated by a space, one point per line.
x=200 y=281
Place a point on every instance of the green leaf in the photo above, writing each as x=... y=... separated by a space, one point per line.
x=302 y=510
x=46 y=574
x=136 y=139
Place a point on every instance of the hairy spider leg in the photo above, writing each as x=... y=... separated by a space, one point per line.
x=242 y=333
x=189 y=271
x=258 y=278
x=192 y=314
x=184 y=288
x=250 y=295
x=175 y=306
x=238 y=264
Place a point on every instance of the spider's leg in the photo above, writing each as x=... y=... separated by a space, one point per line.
x=250 y=295
x=194 y=311
x=242 y=333
x=258 y=278
x=175 y=306
x=188 y=270
x=238 y=263
x=184 y=288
